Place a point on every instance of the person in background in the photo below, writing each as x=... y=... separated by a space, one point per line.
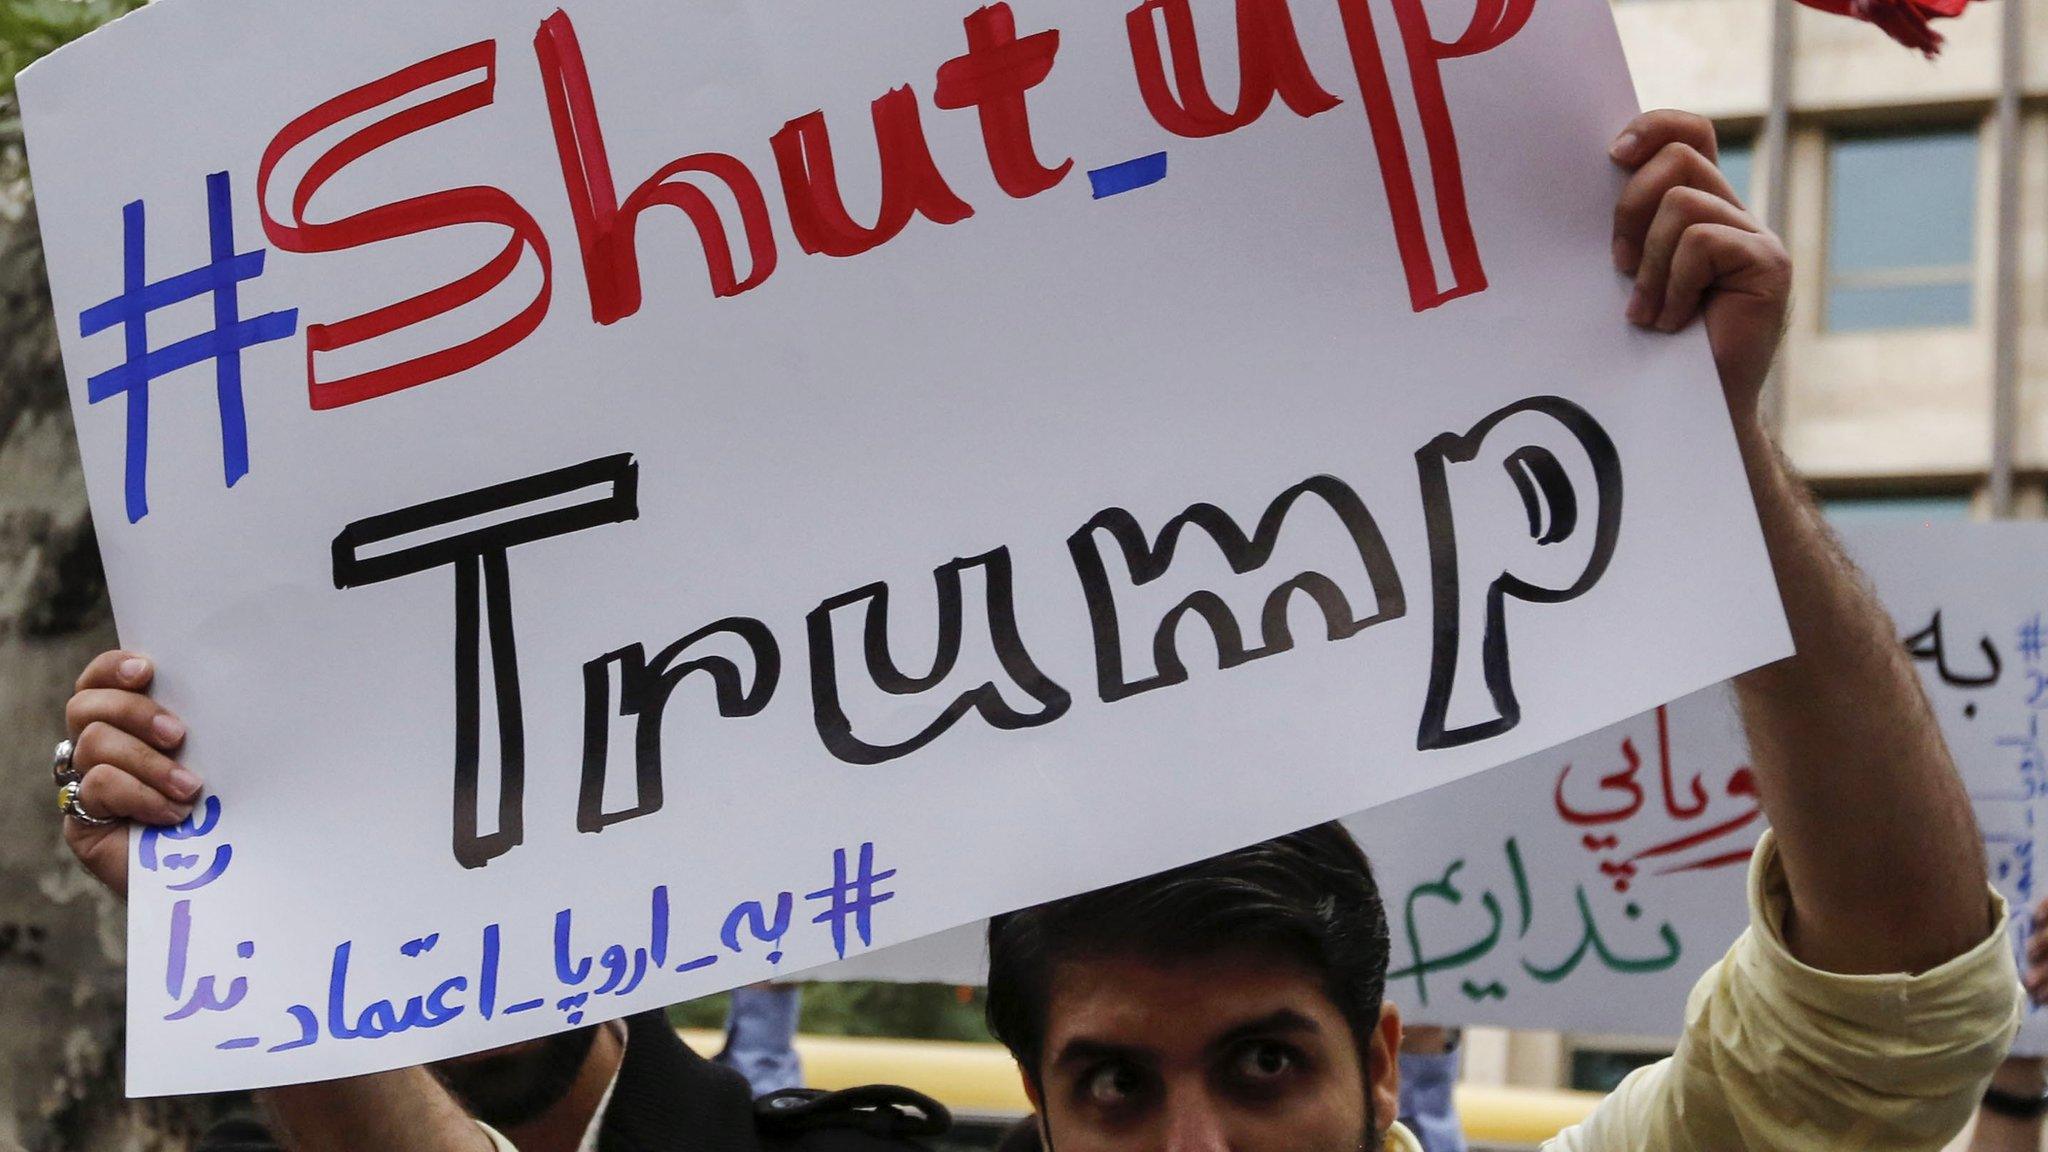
x=2010 y=1119
x=1429 y=1072
x=760 y=1037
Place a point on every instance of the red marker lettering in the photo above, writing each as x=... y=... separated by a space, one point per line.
x=1493 y=23
x=993 y=77
x=409 y=217
x=605 y=228
x=911 y=183
x=1270 y=63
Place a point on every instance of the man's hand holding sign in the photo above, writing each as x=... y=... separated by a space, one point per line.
x=1846 y=749
x=1779 y=1053
x=1857 y=755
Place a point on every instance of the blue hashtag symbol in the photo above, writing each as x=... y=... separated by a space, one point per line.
x=2030 y=640
x=852 y=898
x=223 y=344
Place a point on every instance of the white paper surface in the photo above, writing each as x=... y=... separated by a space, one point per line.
x=747 y=471
x=1652 y=815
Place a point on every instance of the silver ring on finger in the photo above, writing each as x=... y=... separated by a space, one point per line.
x=67 y=803
x=61 y=769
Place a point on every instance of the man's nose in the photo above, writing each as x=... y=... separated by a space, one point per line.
x=1194 y=1123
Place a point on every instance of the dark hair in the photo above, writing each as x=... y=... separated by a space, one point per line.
x=1309 y=894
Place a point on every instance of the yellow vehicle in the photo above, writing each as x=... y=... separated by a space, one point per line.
x=979 y=1083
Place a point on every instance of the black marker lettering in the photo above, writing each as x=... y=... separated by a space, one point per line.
x=473 y=534
x=644 y=691
x=1149 y=560
x=1553 y=506
x=836 y=729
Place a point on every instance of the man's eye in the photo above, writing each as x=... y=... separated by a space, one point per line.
x=1112 y=1085
x=1264 y=1063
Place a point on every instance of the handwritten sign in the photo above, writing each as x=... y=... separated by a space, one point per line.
x=1588 y=887
x=889 y=463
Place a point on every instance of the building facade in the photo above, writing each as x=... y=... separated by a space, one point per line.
x=1898 y=193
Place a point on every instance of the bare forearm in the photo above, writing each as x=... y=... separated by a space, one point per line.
x=403 y=1109
x=1876 y=831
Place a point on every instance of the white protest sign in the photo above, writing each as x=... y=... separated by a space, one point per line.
x=1586 y=888
x=872 y=465
x=1509 y=893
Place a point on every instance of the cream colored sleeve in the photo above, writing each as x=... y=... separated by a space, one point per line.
x=498 y=1142
x=1777 y=1055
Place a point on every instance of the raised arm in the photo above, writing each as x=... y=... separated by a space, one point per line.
x=1874 y=993
x=124 y=744
x=1879 y=845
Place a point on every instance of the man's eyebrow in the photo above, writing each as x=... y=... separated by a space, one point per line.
x=1286 y=1020
x=1082 y=1050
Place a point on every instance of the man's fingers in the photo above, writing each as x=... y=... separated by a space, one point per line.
x=105 y=747
x=1676 y=165
x=1651 y=131
x=1719 y=257
x=1683 y=207
x=117 y=669
x=109 y=793
x=119 y=736
x=131 y=712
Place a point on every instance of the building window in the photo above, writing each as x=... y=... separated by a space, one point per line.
x=1738 y=164
x=1902 y=222
x=1851 y=511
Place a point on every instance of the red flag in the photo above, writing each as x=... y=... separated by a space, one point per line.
x=1907 y=21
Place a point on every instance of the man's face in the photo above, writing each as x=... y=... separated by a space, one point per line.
x=509 y=1086
x=1237 y=1052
